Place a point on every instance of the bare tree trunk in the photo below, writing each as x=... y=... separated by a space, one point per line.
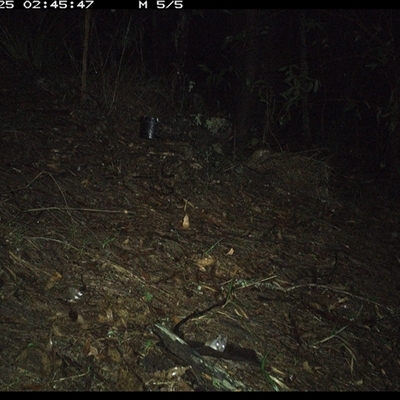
x=180 y=38
x=246 y=100
x=85 y=57
x=305 y=111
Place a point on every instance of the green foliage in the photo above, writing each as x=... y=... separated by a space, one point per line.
x=148 y=297
x=215 y=79
x=107 y=242
x=148 y=346
x=299 y=87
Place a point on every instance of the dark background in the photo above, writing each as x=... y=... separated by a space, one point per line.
x=291 y=79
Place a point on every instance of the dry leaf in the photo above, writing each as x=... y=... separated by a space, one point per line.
x=230 y=252
x=85 y=182
x=53 y=280
x=316 y=306
x=185 y=223
x=54 y=167
x=93 y=351
x=306 y=366
x=205 y=262
x=277 y=371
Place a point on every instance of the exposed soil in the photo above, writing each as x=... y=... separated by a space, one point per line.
x=113 y=246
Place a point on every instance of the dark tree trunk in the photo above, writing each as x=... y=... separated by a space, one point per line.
x=85 y=57
x=305 y=111
x=180 y=38
x=246 y=100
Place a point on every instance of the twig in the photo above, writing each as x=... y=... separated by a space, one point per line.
x=94 y=210
x=316 y=285
x=332 y=336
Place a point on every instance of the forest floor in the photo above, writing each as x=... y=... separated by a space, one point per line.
x=169 y=265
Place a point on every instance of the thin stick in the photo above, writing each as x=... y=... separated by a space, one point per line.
x=79 y=209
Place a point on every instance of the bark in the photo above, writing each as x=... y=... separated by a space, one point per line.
x=305 y=111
